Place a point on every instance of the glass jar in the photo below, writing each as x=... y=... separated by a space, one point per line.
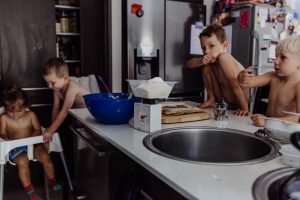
x=64 y=2
x=64 y=22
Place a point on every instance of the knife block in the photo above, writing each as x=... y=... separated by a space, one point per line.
x=147 y=117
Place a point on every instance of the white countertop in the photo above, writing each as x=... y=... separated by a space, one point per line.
x=192 y=180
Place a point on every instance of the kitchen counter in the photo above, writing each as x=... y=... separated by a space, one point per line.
x=192 y=180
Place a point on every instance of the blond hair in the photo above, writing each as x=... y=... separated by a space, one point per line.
x=290 y=44
x=57 y=66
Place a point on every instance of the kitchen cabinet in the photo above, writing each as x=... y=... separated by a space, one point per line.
x=102 y=171
x=86 y=40
x=68 y=35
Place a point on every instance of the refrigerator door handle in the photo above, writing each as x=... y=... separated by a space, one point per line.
x=256 y=60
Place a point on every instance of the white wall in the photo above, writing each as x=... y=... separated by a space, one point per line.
x=116 y=6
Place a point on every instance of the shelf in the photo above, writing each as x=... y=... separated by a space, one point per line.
x=72 y=61
x=67 y=7
x=71 y=34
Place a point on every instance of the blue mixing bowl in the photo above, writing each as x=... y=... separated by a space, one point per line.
x=110 y=108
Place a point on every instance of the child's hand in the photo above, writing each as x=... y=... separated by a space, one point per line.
x=241 y=112
x=258 y=119
x=207 y=59
x=47 y=136
x=245 y=75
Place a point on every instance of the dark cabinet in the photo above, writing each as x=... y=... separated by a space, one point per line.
x=82 y=35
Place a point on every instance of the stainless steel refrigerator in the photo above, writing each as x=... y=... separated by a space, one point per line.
x=256 y=29
x=156 y=39
x=254 y=35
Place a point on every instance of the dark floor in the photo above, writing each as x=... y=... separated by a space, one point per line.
x=13 y=189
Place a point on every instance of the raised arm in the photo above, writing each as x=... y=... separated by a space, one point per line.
x=246 y=79
x=199 y=62
x=35 y=124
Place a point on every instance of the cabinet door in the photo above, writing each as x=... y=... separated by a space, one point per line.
x=27 y=40
x=94 y=37
x=91 y=165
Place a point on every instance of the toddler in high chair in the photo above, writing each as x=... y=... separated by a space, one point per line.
x=18 y=122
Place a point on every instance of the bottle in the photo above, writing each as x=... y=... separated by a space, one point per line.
x=73 y=22
x=64 y=22
x=61 y=53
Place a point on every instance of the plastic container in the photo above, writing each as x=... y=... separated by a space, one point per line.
x=290 y=155
x=110 y=108
x=134 y=84
x=281 y=129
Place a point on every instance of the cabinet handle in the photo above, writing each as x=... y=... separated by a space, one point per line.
x=145 y=195
x=86 y=141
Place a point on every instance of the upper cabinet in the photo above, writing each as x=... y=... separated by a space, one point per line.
x=68 y=34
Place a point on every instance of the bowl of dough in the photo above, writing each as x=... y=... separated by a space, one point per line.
x=154 y=88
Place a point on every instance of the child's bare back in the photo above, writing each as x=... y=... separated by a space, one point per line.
x=74 y=88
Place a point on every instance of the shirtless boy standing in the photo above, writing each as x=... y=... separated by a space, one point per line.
x=67 y=94
x=284 y=82
x=219 y=71
x=17 y=123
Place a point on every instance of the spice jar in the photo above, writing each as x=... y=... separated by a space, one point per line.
x=64 y=2
x=64 y=22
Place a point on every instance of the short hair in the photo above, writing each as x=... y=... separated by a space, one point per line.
x=14 y=96
x=56 y=65
x=214 y=29
x=290 y=44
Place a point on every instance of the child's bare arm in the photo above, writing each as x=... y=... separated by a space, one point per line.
x=3 y=125
x=56 y=106
x=198 y=62
x=68 y=102
x=227 y=65
x=35 y=124
x=246 y=79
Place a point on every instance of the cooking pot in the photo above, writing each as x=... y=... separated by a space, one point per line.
x=280 y=129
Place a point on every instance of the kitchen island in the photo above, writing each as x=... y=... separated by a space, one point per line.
x=191 y=180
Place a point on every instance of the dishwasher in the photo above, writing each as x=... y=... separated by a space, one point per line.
x=91 y=164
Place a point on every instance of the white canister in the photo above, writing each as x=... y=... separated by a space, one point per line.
x=147 y=117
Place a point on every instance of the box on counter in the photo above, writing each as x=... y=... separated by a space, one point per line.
x=147 y=117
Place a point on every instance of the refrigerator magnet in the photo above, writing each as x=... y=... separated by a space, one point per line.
x=244 y=19
x=267 y=37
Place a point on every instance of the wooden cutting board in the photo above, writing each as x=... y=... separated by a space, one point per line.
x=169 y=119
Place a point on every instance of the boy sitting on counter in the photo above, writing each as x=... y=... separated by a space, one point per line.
x=219 y=71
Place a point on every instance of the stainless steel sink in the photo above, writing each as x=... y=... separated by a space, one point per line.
x=210 y=145
x=267 y=186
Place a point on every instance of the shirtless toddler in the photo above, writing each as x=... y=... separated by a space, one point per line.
x=284 y=82
x=67 y=94
x=219 y=71
x=17 y=123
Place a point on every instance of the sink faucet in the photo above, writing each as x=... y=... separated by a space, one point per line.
x=220 y=112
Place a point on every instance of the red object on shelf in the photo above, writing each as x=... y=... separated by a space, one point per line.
x=135 y=7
